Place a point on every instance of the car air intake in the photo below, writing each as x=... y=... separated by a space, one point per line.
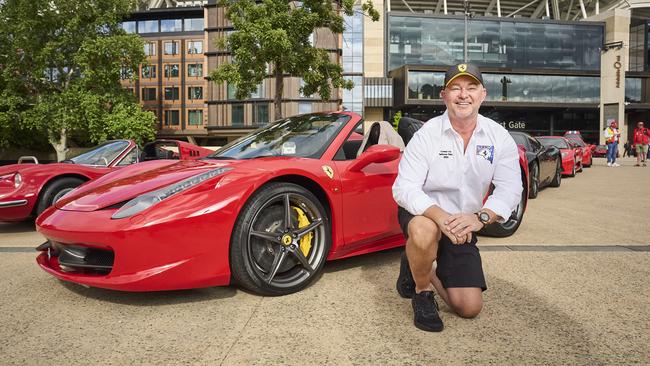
x=73 y=258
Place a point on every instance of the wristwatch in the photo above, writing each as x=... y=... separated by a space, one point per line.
x=483 y=217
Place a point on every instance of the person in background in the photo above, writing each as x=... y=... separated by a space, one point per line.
x=612 y=136
x=641 y=139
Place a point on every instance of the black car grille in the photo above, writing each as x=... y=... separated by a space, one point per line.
x=75 y=258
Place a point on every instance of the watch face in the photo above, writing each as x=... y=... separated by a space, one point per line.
x=484 y=217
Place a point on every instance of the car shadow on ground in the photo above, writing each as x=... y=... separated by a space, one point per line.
x=155 y=298
x=26 y=226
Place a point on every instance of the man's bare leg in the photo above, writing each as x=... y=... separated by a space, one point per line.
x=421 y=250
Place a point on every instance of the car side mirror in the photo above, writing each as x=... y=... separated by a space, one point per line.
x=375 y=154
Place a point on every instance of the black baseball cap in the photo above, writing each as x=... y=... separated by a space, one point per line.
x=470 y=70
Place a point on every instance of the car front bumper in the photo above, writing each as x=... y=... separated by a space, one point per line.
x=149 y=254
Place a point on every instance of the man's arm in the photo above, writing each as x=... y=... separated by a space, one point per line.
x=412 y=173
x=507 y=182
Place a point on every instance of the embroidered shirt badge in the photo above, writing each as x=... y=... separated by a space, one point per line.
x=486 y=152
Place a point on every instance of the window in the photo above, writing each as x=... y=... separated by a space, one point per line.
x=257 y=93
x=148 y=72
x=148 y=26
x=171 y=25
x=171 y=70
x=238 y=115
x=126 y=73
x=195 y=92
x=149 y=49
x=260 y=114
x=195 y=117
x=171 y=48
x=130 y=158
x=304 y=107
x=149 y=94
x=172 y=117
x=194 y=47
x=129 y=27
x=194 y=70
x=171 y=93
x=193 y=24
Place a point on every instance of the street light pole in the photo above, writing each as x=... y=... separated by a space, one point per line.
x=467 y=15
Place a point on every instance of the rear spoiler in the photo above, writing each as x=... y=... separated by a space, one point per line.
x=27 y=160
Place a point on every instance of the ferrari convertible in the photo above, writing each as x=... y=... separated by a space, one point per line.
x=264 y=212
x=28 y=189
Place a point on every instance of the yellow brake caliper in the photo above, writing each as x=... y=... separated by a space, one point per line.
x=305 y=242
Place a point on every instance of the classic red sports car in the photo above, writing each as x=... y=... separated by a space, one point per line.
x=599 y=151
x=28 y=189
x=571 y=155
x=265 y=212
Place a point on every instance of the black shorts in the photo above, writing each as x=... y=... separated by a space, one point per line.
x=458 y=265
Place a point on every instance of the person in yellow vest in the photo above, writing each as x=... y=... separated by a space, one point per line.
x=612 y=136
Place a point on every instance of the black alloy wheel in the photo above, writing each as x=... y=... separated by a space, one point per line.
x=280 y=241
x=55 y=190
x=533 y=191
x=557 y=178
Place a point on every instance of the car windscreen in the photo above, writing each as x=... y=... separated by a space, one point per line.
x=305 y=136
x=577 y=142
x=557 y=142
x=102 y=155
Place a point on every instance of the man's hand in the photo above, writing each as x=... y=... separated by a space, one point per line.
x=462 y=225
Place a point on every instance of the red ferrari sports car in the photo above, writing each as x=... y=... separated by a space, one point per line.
x=571 y=156
x=28 y=189
x=587 y=158
x=265 y=212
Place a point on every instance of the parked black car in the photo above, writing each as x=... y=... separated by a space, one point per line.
x=544 y=163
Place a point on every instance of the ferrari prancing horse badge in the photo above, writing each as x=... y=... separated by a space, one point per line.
x=329 y=171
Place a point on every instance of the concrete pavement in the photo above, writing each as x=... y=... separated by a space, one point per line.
x=581 y=307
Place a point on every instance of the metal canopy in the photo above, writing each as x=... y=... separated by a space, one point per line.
x=536 y=9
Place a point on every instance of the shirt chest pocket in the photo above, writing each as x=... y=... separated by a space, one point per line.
x=443 y=172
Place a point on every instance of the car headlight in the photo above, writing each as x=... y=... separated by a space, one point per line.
x=14 y=179
x=149 y=199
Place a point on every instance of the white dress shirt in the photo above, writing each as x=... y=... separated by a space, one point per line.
x=434 y=170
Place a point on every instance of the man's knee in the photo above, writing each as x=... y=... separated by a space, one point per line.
x=469 y=310
x=423 y=231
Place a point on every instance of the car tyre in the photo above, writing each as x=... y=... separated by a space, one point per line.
x=502 y=230
x=557 y=179
x=55 y=190
x=534 y=181
x=280 y=241
x=573 y=171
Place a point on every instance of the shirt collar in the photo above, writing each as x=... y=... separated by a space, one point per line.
x=446 y=123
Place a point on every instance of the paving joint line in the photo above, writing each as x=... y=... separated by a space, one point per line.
x=241 y=333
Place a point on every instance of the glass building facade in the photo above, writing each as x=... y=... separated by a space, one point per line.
x=494 y=43
x=352 y=56
x=425 y=85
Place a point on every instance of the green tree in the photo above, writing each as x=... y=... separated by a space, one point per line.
x=274 y=35
x=60 y=68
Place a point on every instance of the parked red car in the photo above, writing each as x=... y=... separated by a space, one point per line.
x=600 y=151
x=265 y=211
x=587 y=158
x=571 y=155
x=28 y=189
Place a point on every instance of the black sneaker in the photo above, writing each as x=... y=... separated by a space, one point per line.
x=405 y=282
x=425 y=312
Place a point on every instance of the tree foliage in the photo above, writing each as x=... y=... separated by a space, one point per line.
x=275 y=35
x=60 y=67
